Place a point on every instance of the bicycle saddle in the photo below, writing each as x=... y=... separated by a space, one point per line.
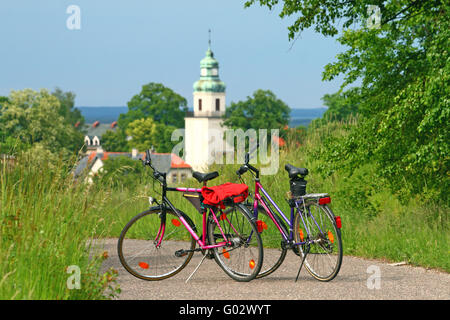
x=294 y=171
x=203 y=177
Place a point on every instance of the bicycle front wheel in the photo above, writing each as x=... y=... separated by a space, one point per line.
x=154 y=247
x=243 y=258
x=324 y=246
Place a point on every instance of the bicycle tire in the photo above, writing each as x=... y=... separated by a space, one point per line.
x=157 y=263
x=327 y=241
x=242 y=261
x=271 y=238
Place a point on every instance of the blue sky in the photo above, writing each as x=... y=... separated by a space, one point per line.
x=124 y=44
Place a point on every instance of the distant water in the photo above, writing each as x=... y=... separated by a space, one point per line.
x=111 y=114
x=102 y=114
x=304 y=116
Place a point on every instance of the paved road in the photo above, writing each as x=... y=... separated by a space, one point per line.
x=395 y=282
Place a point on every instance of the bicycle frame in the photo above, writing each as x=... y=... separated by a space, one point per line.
x=290 y=222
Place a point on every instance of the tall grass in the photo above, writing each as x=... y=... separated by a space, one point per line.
x=48 y=223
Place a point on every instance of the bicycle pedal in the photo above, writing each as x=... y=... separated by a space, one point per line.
x=181 y=253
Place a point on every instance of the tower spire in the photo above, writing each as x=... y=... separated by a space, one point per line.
x=209 y=38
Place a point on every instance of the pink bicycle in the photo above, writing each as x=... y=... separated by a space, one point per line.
x=159 y=242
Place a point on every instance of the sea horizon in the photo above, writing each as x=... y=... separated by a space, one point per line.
x=109 y=114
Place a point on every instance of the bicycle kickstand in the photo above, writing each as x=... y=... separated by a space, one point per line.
x=301 y=265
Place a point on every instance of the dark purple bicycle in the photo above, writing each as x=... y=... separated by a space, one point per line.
x=312 y=231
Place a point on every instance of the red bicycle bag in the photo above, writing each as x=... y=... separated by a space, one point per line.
x=237 y=192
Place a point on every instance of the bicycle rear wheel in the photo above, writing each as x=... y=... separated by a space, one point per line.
x=324 y=257
x=242 y=260
x=144 y=256
x=271 y=238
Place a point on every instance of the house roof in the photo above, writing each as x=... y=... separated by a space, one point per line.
x=99 y=130
x=162 y=162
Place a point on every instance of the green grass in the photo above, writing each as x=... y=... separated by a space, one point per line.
x=47 y=224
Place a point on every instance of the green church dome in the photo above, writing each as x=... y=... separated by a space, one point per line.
x=208 y=61
x=209 y=75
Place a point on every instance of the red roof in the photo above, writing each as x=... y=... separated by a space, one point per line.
x=113 y=124
x=95 y=124
x=176 y=161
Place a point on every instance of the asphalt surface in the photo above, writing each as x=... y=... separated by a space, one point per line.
x=358 y=279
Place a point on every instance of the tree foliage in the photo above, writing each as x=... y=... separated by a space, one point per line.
x=158 y=102
x=115 y=141
x=403 y=68
x=147 y=134
x=67 y=108
x=261 y=111
x=30 y=117
x=340 y=105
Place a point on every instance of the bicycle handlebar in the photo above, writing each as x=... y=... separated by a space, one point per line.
x=247 y=166
x=160 y=176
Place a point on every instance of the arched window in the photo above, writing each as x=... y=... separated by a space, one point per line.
x=199 y=104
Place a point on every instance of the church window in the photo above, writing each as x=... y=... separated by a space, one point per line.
x=217 y=104
x=199 y=104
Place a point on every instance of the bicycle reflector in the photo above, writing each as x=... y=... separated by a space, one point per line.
x=302 y=236
x=261 y=226
x=338 y=222
x=143 y=265
x=225 y=253
x=252 y=264
x=324 y=200
x=330 y=237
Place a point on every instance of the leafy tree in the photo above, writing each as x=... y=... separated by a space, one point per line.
x=340 y=105
x=32 y=117
x=158 y=102
x=261 y=111
x=146 y=133
x=403 y=66
x=115 y=141
x=3 y=100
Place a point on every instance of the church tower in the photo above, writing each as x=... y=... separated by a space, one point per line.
x=204 y=143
